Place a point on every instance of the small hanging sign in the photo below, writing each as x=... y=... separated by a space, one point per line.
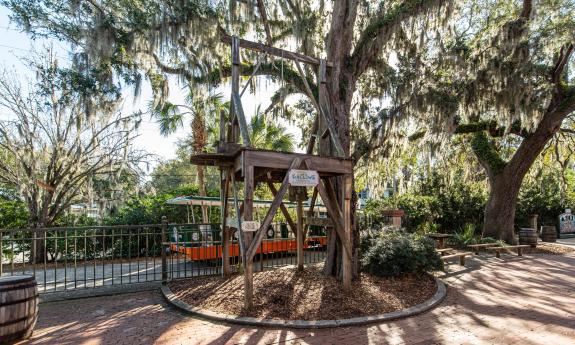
x=250 y=225
x=304 y=178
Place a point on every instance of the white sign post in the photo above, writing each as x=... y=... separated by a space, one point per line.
x=303 y=178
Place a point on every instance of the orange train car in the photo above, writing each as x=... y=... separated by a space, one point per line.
x=211 y=252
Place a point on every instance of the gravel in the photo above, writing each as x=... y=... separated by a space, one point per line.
x=285 y=293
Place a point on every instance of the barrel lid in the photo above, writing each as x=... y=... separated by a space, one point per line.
x=16 y=279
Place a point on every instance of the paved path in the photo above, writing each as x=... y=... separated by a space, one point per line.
x=567 y=241
x=513 y=300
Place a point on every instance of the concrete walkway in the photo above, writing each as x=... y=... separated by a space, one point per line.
x=567 y=241
x=513 y=300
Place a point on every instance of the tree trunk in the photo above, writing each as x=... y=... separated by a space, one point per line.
x=341 y=85
x=499 y=218
x=505 y=178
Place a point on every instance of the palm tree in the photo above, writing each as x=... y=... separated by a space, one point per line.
x=265 y=134
x=170 y=117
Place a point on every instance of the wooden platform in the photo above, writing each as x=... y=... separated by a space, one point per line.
x=272 y=165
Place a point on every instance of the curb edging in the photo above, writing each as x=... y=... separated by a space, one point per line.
x=304 y=324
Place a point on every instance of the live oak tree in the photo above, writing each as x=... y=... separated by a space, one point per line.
x=57 y=141
x=501 y=77
x=182 y=38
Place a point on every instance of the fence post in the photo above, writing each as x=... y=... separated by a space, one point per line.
x=163 y=246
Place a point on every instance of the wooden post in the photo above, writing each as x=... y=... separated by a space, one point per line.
x=235 y=46
x=300 y=258
x=347 y=259
x=163 y=246
x=248 y=216
x=225 y=184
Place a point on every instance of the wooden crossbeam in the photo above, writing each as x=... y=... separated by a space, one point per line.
x=283 y=208
x=286 y=54
x=271 y=212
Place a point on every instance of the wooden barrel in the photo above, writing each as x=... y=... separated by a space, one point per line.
x=548 y=233
x=528 y=236
x=18 y=307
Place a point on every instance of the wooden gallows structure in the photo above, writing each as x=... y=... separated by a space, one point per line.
x=241 y=163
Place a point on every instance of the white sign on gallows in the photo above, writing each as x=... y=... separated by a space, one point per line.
x=304 y=178
x=250 y=225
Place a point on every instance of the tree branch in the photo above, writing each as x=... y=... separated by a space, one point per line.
x=380 y=29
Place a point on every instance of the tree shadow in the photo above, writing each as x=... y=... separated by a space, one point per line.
x=498 y=301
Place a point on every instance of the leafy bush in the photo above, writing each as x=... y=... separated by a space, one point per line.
x=397 y=253
x=467 y=236
x=434 y=206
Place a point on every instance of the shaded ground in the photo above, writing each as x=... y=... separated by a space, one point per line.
x=286 y=293
x=513 y=300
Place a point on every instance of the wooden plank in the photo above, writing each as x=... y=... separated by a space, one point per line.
x=225 y=185
x=283 y=208
x=248 y=216
x=222 y=128
x=262 y=48
x=239 y=111
x=324 y=147
x=236 y=66
x=300 y=234
x=346 y=258
x=325 y=166
x=481 y=245
x=271 y=212
x=312 y=202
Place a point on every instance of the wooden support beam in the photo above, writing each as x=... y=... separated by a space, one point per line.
x=262 y=48
x=283 y=208
x=241 y=118
x=222 y=129
x=312 y=202
x=272 y=210
x=300 y=235
x=225 y=185
x=235 y=81
x=346 y=258
x=248 y=243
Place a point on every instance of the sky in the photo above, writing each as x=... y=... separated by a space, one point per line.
x=15 y=44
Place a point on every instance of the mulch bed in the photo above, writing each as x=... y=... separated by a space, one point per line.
x=553 y=249
x=284 y=293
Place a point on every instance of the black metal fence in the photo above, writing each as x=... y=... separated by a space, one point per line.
x=71 y=258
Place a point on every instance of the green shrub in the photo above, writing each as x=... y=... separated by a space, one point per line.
x=398 y=253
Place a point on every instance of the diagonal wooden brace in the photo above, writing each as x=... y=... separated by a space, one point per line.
x=283 y=208
x=251 y=252
x=334 y=212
